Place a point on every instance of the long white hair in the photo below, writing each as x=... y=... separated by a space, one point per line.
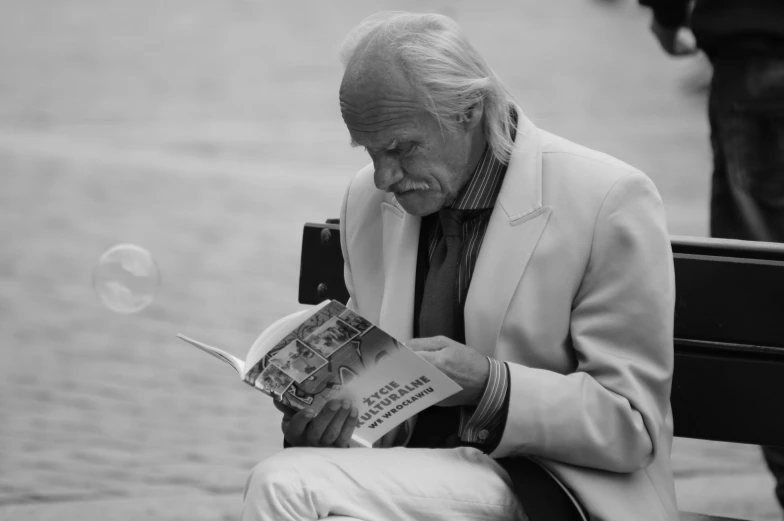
x=448 y=73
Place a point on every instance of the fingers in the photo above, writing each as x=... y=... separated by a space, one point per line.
x=320 y=423
x=331 y=427
x=335 y=427
x=435 y=358
x=348 y=428
x=429 y=356
x=297 y=426
x=428 y=344
x=288 y=413
x=285 y=409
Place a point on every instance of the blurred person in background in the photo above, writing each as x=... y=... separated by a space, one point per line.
x=744 y=40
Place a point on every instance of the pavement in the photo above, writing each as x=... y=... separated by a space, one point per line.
x=208 y=132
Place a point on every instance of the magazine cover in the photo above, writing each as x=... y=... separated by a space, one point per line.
x=337 y=354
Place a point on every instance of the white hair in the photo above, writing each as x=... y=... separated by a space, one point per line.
x=448 y=73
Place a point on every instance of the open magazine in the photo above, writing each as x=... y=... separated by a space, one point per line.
x=329 y=352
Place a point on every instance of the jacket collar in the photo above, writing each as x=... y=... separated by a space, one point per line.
x=521 y=192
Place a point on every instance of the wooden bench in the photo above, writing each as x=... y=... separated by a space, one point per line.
x=729 y=333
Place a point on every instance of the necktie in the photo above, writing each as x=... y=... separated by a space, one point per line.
x=441 y=315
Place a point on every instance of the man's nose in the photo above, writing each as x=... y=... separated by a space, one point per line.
x=388 y=172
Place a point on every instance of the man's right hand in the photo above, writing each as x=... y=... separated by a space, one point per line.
x=331 y=427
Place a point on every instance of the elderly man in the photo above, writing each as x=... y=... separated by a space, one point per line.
x=534 y=272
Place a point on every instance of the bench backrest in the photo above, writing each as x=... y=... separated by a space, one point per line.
x=729 y=340
x=729 y=331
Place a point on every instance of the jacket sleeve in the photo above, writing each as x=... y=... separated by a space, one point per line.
x=669 y=13
x=609 y=413
x=347 y=278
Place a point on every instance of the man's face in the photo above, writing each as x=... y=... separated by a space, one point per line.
x=424 y=167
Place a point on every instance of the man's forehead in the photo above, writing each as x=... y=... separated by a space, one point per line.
x=369 y=102
x=377 y=122
x=376 y=96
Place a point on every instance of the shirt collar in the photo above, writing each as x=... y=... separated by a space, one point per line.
x=482 y=189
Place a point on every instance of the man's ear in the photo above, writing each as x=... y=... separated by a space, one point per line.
x=473 y=115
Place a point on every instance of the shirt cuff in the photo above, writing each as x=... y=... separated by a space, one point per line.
x=484 y=423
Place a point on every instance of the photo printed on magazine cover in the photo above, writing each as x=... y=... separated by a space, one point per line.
x=273 y=381
x=322 y=355
x=298 y=361
x=331 y=336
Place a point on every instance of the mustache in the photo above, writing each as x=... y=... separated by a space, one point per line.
x=406 y=185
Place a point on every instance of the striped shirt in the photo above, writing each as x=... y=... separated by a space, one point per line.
x=482 y=424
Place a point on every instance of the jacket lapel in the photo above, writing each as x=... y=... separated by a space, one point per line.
x=515 y=226
x=400 y=244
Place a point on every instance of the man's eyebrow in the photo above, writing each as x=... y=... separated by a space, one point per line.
x=392 y=145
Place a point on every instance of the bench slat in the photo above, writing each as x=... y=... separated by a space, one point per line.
x=729 y=299
x=728 y=396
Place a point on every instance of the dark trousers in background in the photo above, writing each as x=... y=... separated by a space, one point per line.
x=746 y=111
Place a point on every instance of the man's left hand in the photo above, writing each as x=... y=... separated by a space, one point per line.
x=465 y=366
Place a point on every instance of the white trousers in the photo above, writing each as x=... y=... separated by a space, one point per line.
x=303 y=484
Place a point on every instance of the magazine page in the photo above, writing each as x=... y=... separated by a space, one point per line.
x=275 y=333
x=336 y=353
x=218 y=353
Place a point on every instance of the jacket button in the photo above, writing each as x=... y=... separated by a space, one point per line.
x=483 y=434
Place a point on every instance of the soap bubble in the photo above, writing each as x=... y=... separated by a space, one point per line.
x=126 y=278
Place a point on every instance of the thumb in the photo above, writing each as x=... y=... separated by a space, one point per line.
x=428 y=356
x=288 y=412
x=434 y=343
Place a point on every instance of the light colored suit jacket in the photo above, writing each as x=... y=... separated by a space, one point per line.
x=574 y=288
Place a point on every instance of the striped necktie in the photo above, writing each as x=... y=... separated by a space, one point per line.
x=436 y=426
x=440 y=303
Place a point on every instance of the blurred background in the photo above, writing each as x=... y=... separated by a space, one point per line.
x=209 y=132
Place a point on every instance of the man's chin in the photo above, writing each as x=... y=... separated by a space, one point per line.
x=420 y=202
